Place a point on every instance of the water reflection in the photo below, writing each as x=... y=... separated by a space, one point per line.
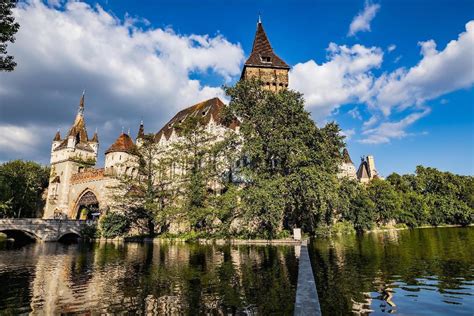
x=410 y=272
x=160 y=279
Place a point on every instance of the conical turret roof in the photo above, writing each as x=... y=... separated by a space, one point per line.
x=123 y=144
x=262 y=52
x=346 y=158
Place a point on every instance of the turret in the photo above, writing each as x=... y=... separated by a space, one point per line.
x=264 y=64
x=56 y=141
x=69 y=156
x=141 y=134
x=121 y=157
x=347 y=168
x=94 y=142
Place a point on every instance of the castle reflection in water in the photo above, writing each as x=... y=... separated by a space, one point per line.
x=155 y=278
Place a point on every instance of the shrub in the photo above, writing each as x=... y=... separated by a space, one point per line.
x=113 y=225
x=90 y=232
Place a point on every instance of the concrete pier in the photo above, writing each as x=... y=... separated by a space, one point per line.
x=307 y=300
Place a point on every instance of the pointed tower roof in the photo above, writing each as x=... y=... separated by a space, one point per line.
x=262 y=52
x=346 y=158
x=57 y=137
x=78 y=130
x=79 y=126
x=363 y=171
x=95 y=138
x=123 y=144
x=141 y=131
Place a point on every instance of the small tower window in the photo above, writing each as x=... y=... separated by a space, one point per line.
x=266 y=59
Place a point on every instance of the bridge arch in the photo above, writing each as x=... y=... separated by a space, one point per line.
x=87 y=200
x=21 y=234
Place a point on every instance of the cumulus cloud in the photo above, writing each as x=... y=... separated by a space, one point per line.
x=437 y=73
x=347 y=77
x=361 y=22
x=392 y=130
x=129 y=72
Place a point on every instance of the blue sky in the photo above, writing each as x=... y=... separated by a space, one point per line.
x=392 y=67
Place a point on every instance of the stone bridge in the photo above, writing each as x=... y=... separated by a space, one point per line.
x=42 y=229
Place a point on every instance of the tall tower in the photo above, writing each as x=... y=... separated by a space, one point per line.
x=69 y=156
x=264 y=64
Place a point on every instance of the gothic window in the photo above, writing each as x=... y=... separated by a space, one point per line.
x=78 y=138
x=80 y=169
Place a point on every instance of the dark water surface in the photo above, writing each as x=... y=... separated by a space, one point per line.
x=410 y=272
x=163 y=279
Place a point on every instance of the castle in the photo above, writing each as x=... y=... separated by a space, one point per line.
x=76 y=184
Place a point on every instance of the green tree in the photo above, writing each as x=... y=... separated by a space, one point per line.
x=8 y=29
x=290 y=175
x=22 y=184
x=144 y=195
x=386 y=200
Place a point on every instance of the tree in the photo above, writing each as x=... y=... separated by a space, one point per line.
x=8 y=28
x=386 y=200
x=290 y=175
x=22 y=184
x=143 y=195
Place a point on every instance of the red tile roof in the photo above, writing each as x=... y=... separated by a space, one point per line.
x=123 y=144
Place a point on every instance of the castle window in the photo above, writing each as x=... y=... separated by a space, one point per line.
x=266 y=59
x=81 y=169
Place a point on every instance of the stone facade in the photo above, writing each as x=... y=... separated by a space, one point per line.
x=75 y=183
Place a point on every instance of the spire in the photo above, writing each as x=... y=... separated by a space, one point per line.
x=262 y=52
x=346 y=158
x=78 y=129
x=57 y=137
x=95 y=138
x=81 y=103
x=141 y=131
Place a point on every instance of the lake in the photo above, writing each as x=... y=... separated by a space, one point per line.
x=427 y=271
x=410 y=272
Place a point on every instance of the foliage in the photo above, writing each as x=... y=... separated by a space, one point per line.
x=114 y=225
x=22 y=184
x=386 y=200
x=143 y=195
x=90 y=232
x=290 y=174
x=8 y=28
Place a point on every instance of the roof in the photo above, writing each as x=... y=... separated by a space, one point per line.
x=346 y=158
x=57 y=137
x=262 y=48
x=123 y=144
x=78 y=130
x=208 y=109
x=141 y=131
x=363 y=171
x=95 y=138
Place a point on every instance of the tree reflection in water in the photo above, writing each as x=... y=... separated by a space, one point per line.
x=150 y=278
x=412 y=272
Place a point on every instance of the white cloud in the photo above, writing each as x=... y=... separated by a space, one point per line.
x=345 y=77
x=391 y=48
x=437 y=73
x=348 y=133
x=361 y=22
x=17 y=139
x=392 y=130
x=129 y=72
x=355 y=113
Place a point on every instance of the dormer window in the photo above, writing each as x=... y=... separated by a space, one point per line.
x=266 y=59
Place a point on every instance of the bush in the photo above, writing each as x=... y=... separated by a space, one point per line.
x=90 y=232
x=114 y=225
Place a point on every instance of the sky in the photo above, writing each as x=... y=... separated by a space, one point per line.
x=398 y=76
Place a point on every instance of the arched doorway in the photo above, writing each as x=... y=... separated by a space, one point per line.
x=87 y=207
